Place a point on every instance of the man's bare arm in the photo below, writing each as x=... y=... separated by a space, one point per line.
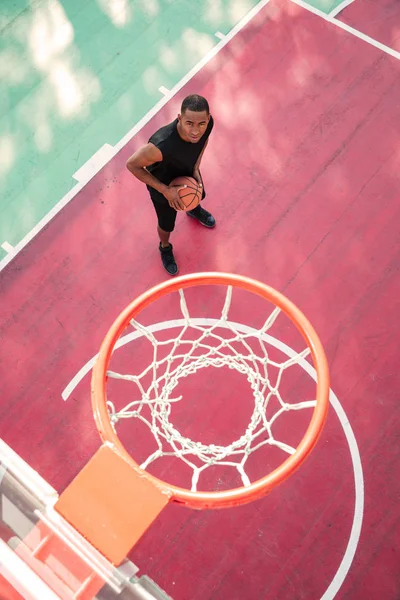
x=197 y=165
x=142 y=158
x=196 y=170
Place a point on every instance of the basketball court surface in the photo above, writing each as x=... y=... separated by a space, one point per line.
x=302 y=176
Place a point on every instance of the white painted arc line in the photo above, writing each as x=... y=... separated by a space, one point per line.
x=347 y=28
x=139 y=125
x=7 y=247
x=164 y=90
x=355 y=532
x=338 y=9
x=78 y=377
x=356 y=527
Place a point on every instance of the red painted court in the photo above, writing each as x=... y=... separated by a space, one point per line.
x=378 y=19
x=302 y=176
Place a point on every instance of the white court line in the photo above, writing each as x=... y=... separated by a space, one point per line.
x=347 y=28
x=355 y=531
x=164 y=90
x=151 y=113
x=7 y=246
x=94 y=164
x=339 y=8
x=42 y=223
x=219 y=35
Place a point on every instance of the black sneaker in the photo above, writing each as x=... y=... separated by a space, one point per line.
x=203 y=216
x=168 y=260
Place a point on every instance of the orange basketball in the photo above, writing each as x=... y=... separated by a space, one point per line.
x=191 y=195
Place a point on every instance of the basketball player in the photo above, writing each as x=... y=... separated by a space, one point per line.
x=173 y=151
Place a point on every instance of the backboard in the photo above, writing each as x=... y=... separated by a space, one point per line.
x=42 y=557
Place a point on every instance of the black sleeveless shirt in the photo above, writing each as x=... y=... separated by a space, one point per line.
x=179 y=157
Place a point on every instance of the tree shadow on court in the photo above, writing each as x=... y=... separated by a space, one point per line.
x=380 y=20
x=77 y=76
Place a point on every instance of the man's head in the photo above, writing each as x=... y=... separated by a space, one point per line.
x=193 y=118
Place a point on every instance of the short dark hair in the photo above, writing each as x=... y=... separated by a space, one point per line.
x=196 y=103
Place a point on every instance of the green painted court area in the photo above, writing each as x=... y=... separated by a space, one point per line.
x=78 y=74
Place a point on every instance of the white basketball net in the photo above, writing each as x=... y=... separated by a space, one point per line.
x=208 y=349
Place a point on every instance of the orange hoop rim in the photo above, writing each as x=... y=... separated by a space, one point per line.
x=262 y=486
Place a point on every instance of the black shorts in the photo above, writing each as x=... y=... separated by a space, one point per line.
x=166 y=215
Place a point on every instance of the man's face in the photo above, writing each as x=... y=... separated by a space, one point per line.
x=193 y=125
